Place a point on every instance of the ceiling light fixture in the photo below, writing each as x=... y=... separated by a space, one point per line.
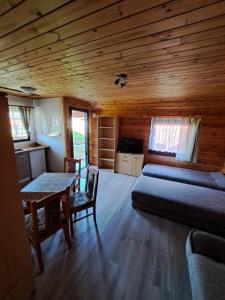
x=28 y=89
x=121 y=80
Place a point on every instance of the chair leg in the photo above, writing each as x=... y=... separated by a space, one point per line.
x=39 y=257
x=94 y=215
x=67 y=235
x=71 y=225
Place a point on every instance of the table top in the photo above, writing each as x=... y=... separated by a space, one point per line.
x=50 y=182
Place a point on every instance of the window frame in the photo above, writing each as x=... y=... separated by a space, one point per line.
x=18 y=140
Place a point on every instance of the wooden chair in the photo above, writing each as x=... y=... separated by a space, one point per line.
x=83 y=200
x=48 y=214
x=72 y=165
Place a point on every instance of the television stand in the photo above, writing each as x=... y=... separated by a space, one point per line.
x=129 y=164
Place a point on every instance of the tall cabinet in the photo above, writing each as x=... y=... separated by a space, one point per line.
x=16 y=276
x=107 y=142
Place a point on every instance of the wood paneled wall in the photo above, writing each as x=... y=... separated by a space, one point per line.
x=135 y=123
x=211 y=142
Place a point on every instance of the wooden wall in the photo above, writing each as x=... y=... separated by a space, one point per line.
x=135 y=123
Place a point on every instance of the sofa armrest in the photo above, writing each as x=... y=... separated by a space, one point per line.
x=208 y=245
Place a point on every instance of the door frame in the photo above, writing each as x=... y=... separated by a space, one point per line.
x=71 y=108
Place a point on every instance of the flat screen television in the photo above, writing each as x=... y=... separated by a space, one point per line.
x=127 y=145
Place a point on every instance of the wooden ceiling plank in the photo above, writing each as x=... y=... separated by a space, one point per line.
x=124 y=24
x=26 y=12
x=6 y=5
x=151 y=65
x=138 y=59
x=157 y=36
x=154 y=68
x=91 y=22
x=166 y=47
x=3 y=65
x=83 y=60
x=57 y=18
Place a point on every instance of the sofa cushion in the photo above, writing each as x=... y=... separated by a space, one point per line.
x=198 y=206
x=199 y=178
x=207 y=278
x=206 y=244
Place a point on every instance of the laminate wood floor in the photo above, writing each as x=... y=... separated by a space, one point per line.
x=132 y=256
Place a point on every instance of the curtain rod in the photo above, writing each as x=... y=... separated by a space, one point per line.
x=21 y=106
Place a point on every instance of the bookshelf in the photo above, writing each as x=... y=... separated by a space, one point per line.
x=107 y=142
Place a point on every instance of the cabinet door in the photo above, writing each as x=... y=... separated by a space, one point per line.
x=126 y=164
x=37 y=162
x=137 y=161
x=123 y=164
x=23 y=168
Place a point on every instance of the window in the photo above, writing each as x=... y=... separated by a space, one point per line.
x=175 y=137
x=19 y=132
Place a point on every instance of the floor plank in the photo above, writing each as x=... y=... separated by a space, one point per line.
x=131 y=256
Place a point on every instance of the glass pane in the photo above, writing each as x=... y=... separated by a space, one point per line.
x=79 y=136
x=18 y=130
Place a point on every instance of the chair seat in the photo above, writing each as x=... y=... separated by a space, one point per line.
x=41 y=221
x=79 y=199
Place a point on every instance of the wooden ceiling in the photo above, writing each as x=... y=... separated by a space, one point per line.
x=169 y=49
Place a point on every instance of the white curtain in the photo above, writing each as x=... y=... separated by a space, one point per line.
x=175 y=135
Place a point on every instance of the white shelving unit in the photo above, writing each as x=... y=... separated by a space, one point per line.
x=107 y=142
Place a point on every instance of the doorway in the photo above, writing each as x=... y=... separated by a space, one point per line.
x=79 y=135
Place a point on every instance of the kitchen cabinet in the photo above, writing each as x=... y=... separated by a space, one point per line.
x=23 y=167
x=31 y=163
x=37 y=163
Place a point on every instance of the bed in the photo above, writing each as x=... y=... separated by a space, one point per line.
x=213 y=180
x=196 y=206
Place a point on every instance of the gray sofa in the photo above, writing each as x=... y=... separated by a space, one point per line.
x=213 y=180
x=206 y=263
x=193 y=205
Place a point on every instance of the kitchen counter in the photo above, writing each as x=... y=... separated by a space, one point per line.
x=30 y=148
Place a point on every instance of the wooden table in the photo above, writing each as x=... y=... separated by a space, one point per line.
x=50 y=183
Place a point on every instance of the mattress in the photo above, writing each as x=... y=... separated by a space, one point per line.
x=213 y=180
x=196 y=206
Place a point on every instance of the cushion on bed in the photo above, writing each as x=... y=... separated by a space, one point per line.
x=197 y=206
x=199 y=178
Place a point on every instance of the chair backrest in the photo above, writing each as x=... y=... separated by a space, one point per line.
x=72 y=165
x=55 y=206
x=91 y=186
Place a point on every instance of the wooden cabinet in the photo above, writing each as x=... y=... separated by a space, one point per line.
x=16 y=278
x=107 y=142
x=130 y=164
x=30 y=164
x=23 y=167
x=37 y=163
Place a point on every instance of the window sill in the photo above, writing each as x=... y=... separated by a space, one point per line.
x=159 y=153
